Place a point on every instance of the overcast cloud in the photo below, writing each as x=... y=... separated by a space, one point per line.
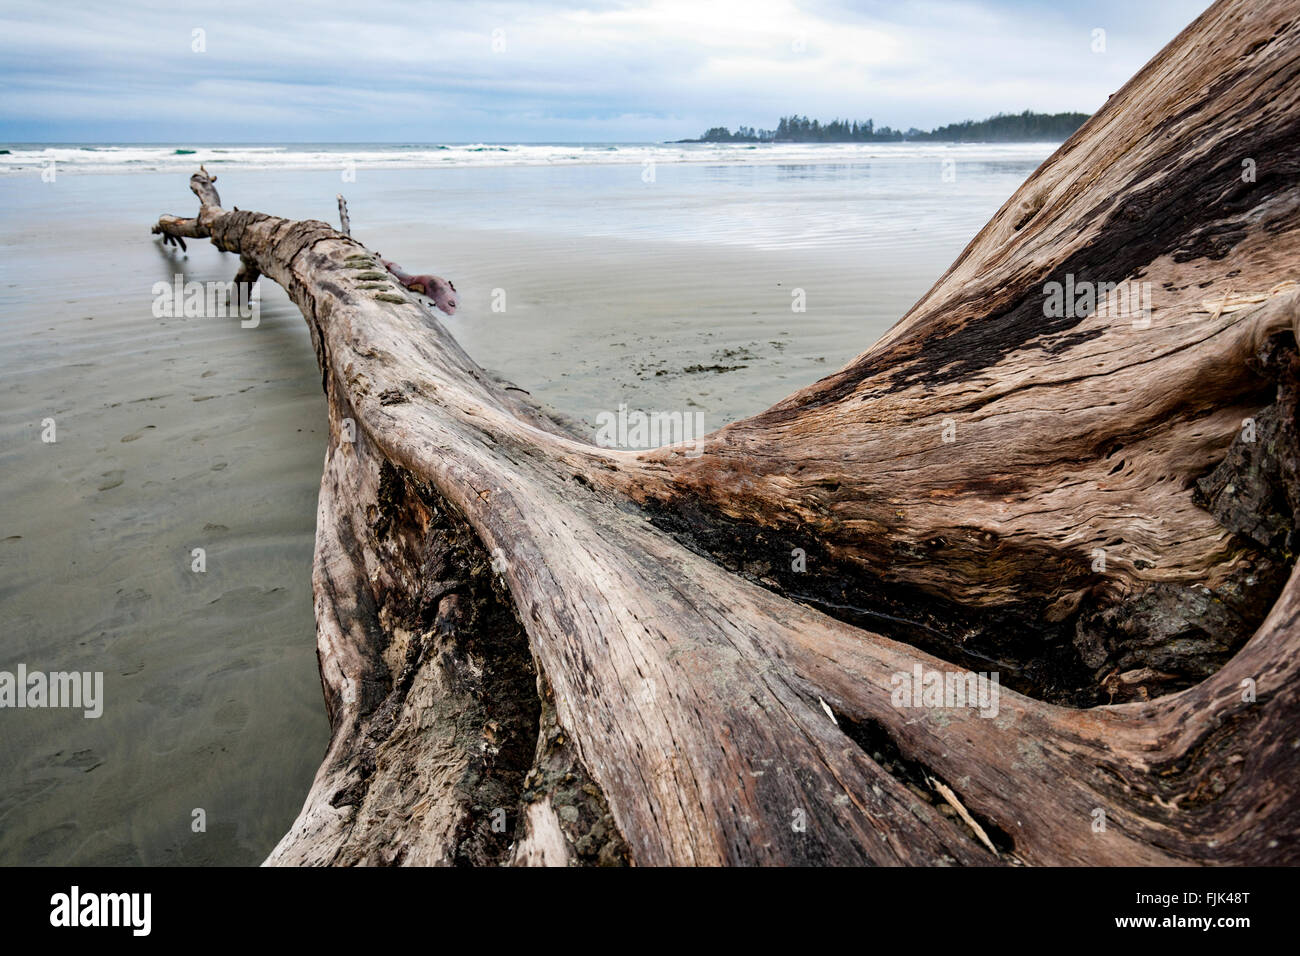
x=380 y=71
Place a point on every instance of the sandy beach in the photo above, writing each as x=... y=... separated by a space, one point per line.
x=180 y=433
x=172 y=434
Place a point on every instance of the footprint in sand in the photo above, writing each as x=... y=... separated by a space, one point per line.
x=85 y=760
x=37 y=849
x=112 y=478
x=137 y=434
x=231 y=716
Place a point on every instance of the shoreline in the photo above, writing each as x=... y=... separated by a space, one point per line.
x=169 y=158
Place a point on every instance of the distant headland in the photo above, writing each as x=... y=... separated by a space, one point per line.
x=1002 y=128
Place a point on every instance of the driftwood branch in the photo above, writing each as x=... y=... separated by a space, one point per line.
x=536 y=650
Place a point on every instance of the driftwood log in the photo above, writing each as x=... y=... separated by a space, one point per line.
x=536 y=650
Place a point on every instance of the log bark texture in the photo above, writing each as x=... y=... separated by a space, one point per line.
x=538 y=651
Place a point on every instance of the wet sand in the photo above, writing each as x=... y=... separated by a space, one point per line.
x=660 y=327
x=172 y=434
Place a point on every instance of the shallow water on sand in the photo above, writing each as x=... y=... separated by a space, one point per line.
x=182 y=433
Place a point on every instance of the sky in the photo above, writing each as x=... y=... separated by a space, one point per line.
x=550 y=70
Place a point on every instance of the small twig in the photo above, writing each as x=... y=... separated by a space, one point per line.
x=953 y=802
x=1218 y=310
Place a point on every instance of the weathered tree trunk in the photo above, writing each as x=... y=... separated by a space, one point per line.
x=535 y=650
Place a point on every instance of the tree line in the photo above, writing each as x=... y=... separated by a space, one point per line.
x=1004 y=127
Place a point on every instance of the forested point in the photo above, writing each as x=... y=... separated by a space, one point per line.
x=1002 y=128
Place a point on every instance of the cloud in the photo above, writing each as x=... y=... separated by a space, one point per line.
x=558 y=71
